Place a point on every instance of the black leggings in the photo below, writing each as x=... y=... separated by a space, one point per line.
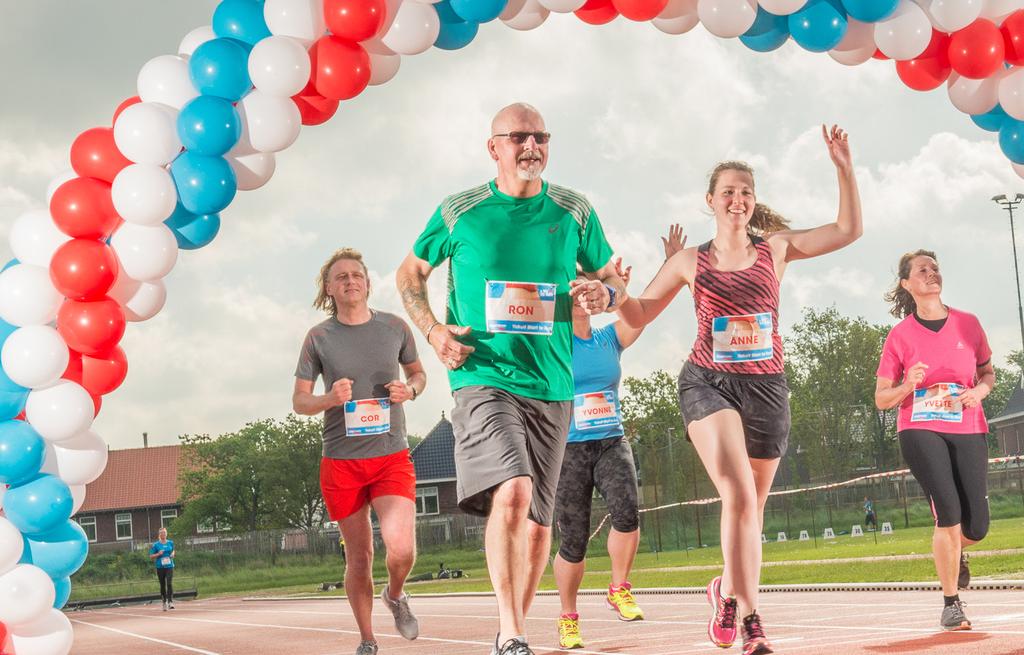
x=166 y=577
x=952 y=470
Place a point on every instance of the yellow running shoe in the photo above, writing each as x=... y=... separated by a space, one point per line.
x=569 y=632
x=621 y=600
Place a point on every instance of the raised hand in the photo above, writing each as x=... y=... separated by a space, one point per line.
x=838 y=144
x=675 y=241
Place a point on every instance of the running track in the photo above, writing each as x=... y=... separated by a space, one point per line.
x=803 y=623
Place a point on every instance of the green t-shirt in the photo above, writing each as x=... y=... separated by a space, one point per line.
x=490 y=236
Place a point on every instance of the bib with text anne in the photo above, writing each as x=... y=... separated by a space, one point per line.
x=742 y=338
x=370 y=416
x=520 y=307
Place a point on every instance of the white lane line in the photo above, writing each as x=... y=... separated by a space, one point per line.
x=153 y=639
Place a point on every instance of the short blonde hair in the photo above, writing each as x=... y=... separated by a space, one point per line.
x=323 y=300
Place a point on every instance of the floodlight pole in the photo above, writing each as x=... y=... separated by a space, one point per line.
x=1009 y=206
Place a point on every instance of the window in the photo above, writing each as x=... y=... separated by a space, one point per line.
x=88 y=524
x=426 y=501
x=167 y=517
x=123 y=525
x=206 y=525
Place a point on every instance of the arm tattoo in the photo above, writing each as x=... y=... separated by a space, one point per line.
x=413 y=290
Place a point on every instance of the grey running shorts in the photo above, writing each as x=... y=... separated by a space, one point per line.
x=499 y=436
x=604 y=464
x=762 y=401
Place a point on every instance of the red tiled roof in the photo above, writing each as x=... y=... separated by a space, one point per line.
x=136 y=477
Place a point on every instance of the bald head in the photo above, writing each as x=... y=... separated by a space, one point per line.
x=514 y=115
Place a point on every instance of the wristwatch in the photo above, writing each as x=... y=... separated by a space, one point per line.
x=611 y=294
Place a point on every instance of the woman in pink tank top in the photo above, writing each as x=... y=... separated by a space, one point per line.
x=732 y=390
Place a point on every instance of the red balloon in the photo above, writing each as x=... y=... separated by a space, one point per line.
x=977 y=50
x=879 y=55
x=1013 y=37
x=315 y=109
x=82 y=208
x=97 y=403
x=91 y=327
x=94 y=154
x=640 y=10
x=931 y=68
x=83 y=269
x=74 y=370
x=125 y=104
x=355 y=20
x=342 y=68
x=597 y=12
x=104 y=373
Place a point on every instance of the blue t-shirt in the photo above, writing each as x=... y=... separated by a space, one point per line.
x=164 y=561
x=596 y=374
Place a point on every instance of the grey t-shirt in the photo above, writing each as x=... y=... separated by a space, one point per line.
x=369 y=354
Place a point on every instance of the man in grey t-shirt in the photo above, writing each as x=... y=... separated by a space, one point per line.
x=358 y=352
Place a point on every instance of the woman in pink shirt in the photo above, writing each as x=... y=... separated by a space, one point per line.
x=936 y=367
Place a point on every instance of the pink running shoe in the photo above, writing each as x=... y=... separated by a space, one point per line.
x=754 y=641
x=722 y=626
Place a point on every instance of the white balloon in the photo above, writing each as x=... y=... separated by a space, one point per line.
x=146 y=252
x=269 y=123
x=414 y=30
x=951 y=15
x=1011 y=93
x=147 y=133
x=55 y=183
x=997 y=10
x=165 y=79
x=384 y=62
x=60 y=411
x=974 y=96
x=78 y=460
x=858 y=44
x=428 y=2
x=141 y=301
x=279 y=66
x=144 y=194
x=678 y=17
x=11 y=545
x=50 y=634
x=26 y=593
x=77 y=497
x=27 y=296
x=253 y=170
x=563 y=6
x=530 y=15
x=905 y=33
x=34 y=237
x=194 y=39
x=1018 y=169
x=35 y=356
x=299 y=19
x=783 y=7
x=727 y=18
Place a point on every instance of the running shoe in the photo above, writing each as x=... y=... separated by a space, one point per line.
x=165 y=605
x=722 y=626
x=963 y=579
x=621 y=600
x=511 y=647
x=953 y=617
x=569 y=632
x=754 y=641
x=405 y=620
x=170 y=604
x=367 y=647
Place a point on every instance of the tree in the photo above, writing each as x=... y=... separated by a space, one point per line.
x=294 y=448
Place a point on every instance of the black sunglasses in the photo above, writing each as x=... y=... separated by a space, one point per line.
x=519 y=138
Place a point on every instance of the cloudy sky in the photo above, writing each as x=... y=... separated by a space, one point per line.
x=638 y=118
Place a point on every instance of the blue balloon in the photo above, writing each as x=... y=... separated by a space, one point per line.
x=206 y=185
x=198 y=232
x=992 y=120
x=220 y=67
x=870 y=11
x=63 y=588
x=209 y=125
x=13 y=262
x=767 y=33
x=22 y=451
x=240 y=19
x=476 y=11
x=6 y=329
x=13 y=396
x=456 y=32
x=59 y=552
x=39 y=505
x=1011 y=139
x=819 y=26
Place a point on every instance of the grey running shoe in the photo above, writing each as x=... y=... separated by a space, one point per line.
x=405 y=620
x=511 y=647
x=367 y=648
x=953 y=617
x=165 y=605
x=963 y=579
x=170 y=604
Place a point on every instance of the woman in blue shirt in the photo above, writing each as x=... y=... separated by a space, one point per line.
x=162 y=554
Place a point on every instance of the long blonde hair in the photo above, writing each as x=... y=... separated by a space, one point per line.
x=323 y=300
x=902 y=302
x=765 y=220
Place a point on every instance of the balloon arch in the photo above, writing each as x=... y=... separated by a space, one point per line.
x=207 y=122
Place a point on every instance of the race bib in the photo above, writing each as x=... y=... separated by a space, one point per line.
x=165 y=561
x=595 y=410
x=370 y=416
x=939 y=402
x=742 y=338
x=520 y=307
